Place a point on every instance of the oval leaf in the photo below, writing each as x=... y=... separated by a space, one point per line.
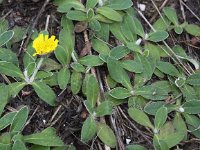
x=88 y=130
x=63 y=77
x=19 y=120
x=140 y=117
x=10 y=69
x=109 y=13
x=158 y=36
x=45 y=93
x=47 y=137
x=90 y=61
x=120 y=93
x=106 y=135
x=5 y=37
x=161 y=117
x=76 y=82
x=92 y=90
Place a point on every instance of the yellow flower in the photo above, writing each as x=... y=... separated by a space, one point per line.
x=44 y=45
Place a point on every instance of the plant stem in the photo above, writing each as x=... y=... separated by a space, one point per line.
x=36 y=70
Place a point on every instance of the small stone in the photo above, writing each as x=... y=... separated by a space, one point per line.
x=181 y=109
x=142 y=7
x=128 y=141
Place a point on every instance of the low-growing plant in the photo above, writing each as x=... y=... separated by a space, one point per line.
x=11 y=127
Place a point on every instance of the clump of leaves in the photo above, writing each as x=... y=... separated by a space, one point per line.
x=13 y=138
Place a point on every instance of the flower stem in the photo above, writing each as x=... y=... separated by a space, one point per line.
x=36 y=70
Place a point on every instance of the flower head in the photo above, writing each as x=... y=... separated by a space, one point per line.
x=44 y=45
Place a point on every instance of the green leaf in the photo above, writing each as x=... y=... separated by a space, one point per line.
x=45 y=93
x=76 y=15
x=135 y=147
x=89 y=107
x=193 y=124
x=106 y=135
x=100 y=46
x=91 y=3
x=4 y=93
x=119 y=4
x=20 y=33
x=39 y=147
x=153 y=52
x=51 y=81
x=137 y=102
x=194 y=79
x=43 y=74
x=178 y=29
x=152 y=92
x=67 y=33
x=114 y=101
x=6 y=120
x=188 y=92
x=19 y=120
x=171 y=15
x=103 y=19
x=47 y=137
x=62 y=55
x=5 y=146
x=119 y=52
x=140 y=117
x=3 y=25
x=90 y=61
x=152 y=107
x=90 y=14
x=77 y=67
x=15 y=88
x=10 y=69
x=63 y=77
x=92 y=90
x=19 y=145
x=158 y=36
x=127 y=28
x=109 y=13
x=29 y=61
x=179 y=124
x=118 y=73
x=167 y=68
x=85 y=83
x=105 y=108
x=8 y=55
x=161 y=24
x=5 y=37
x=65 y=6
x=159 y=144
x=148 y=69
x=138 y=27
x=6 y=138
x=192 y=29
x=115 y=29
x=120 y=93
x=76 y=82
x=104 y=32
x=160 y=117
x=95 y=25
x=49 y=65
x=173 y=139
x=111 y=83
x=192 y=107
x=132 y=66
x=89 y=129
